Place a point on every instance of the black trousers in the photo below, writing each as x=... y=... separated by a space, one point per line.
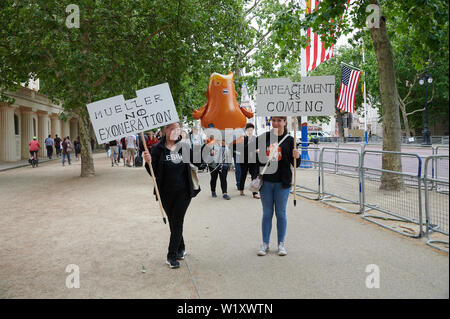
x=175 y=204
x=218 y=171
x=248 y=168
x=49 y=151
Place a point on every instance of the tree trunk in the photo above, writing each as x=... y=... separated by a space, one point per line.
x=405 y=119
x=389 y=105
x=87 y=162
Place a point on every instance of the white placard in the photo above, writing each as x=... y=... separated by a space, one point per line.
x=114 y=118
x=312 y=96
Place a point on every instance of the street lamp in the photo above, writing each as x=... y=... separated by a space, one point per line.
x=426 y=79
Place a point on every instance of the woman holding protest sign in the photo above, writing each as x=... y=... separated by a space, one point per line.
x=276 y=183
x=174 y=181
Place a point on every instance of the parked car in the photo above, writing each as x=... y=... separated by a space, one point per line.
x=315 y=136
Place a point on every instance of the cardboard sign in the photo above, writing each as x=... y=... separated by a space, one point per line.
x=114 y=118
x=312 y=96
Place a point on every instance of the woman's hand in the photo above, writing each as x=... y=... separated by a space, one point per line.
x=296 y=153
x=147 y=158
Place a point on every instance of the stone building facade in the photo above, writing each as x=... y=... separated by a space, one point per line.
x=32 y=114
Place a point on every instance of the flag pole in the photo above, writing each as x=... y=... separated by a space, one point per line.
x=364 y=93
x=154 y=181
x=351 y=66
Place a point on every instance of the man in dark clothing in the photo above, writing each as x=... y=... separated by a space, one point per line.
x=57 y=145
x=248 y=166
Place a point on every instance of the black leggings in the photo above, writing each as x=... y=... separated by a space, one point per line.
x=218 y=171
x=175 y=204
x=250 y=168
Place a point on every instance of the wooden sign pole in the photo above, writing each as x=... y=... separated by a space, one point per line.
x=295 y=161
x=154 y=181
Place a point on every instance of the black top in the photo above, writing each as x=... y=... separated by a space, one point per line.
x=168 y=172
x=174 y=168
x=113 y=143
x=285 y=159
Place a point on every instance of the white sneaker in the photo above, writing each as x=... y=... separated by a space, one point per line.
x=263 y=250
x=281 y=250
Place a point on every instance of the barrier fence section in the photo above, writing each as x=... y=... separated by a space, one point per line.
x=437 y=202
x=308 y=175
x=396 y=194
x=344 y=190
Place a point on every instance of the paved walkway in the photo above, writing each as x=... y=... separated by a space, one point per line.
x=110 y=226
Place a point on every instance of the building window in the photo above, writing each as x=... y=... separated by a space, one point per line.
x=16 y=124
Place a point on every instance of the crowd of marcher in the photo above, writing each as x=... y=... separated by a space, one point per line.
x=63 y=148
x=175 y=181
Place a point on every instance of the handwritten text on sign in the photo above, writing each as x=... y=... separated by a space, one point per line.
x=114 y=118
x=313 y=96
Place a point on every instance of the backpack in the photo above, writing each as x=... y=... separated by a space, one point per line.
x=138 y=161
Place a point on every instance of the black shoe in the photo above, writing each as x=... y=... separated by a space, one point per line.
x=180 y=255
x=173 y=263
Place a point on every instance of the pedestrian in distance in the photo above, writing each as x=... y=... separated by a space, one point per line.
x=219 y=167
x=174 y=181
x=77 y=146
x=49 y=146
x=114 y=152
x=247 y=165
x=67 y=149
x=131 y=149
x=57 y=146
x=123 y=145
x=34 y=148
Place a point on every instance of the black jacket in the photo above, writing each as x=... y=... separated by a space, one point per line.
x=157 y=153
x=287 y=160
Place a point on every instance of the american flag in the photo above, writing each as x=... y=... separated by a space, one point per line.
x=316 y=52
x=349 y=83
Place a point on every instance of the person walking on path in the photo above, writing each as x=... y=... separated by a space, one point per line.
x=151 y=139
x=175 y=184
x=131 y=148
x=67 y=148
x=219 y=167
x=57 y=146
x=49 y=146
x=77 y=146
x=276 y=186
x=123 y=145
x=114 y=151
x=140 y=144
x=248 y=165
x=34 y=148
x=92 y=144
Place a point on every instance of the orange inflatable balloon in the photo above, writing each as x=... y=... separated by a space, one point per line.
x=222 y=110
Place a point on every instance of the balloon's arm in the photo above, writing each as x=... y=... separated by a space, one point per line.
x=197 y=114
x=249 y=114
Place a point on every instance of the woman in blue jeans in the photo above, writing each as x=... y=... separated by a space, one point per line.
x=276 y=181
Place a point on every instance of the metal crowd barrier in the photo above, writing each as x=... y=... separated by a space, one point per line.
x=345 y=191
x=309 y=175
x=402 y=205
x=437 y=204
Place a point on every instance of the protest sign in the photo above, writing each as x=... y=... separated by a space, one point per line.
x=312 y=96
x=114 y=118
